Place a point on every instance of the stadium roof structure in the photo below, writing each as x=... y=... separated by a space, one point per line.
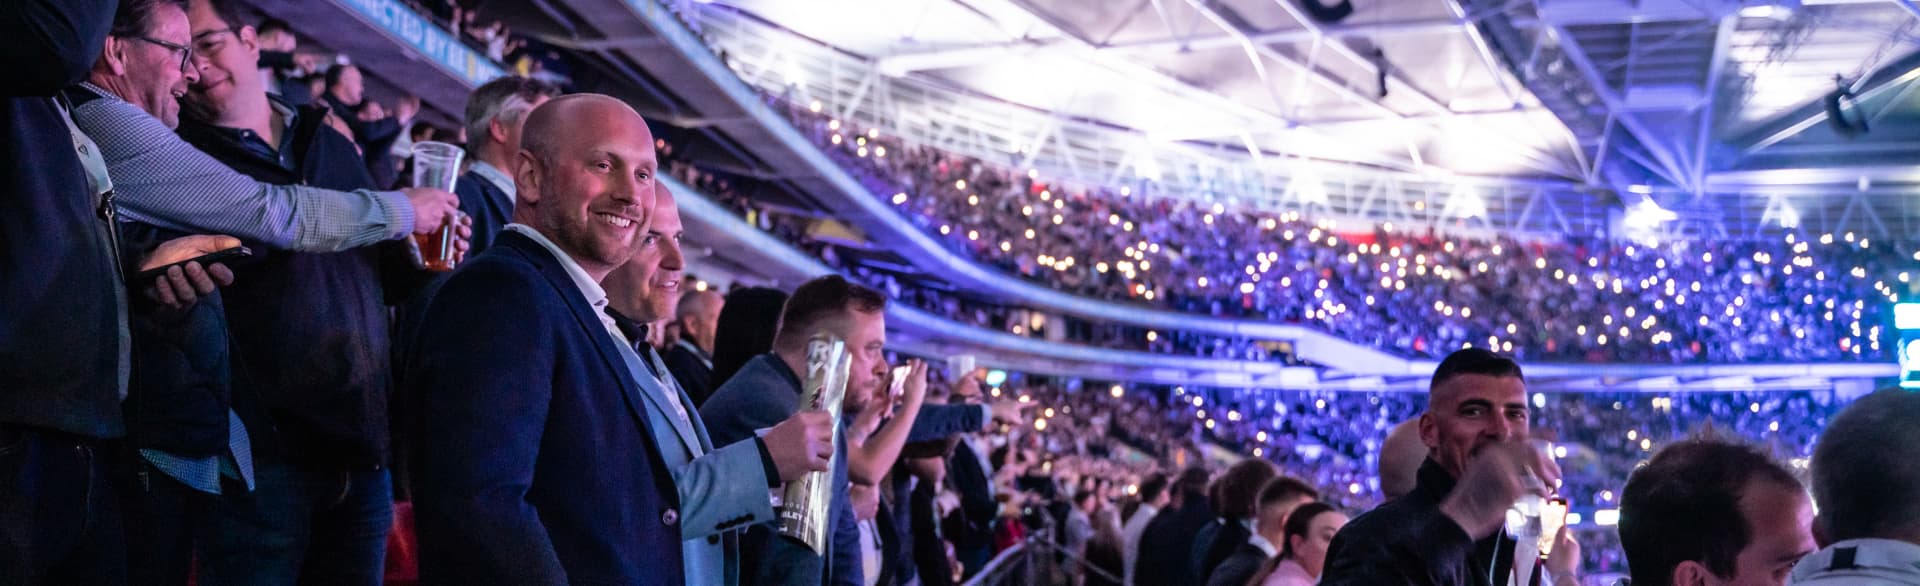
x=1712 y=108
x=681 y=80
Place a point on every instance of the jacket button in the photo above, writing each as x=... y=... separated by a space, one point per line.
x=670 y=518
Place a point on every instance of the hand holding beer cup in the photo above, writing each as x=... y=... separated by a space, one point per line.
x=442 y=237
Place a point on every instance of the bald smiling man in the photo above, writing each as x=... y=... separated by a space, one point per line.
x=537 y=459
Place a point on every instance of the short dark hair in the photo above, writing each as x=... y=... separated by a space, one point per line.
x=339 y=69
x=1301 y=523
x=1191 y=484
x=746 y=328
x=134 y=18
x=1083 y=495
x=1684 y=505
x=1152 y=487
x=1286 y=487
x=1866 y=469
x=1474 y=361
x=1239 y=488
x=236 y=17
x=822 y=299
x=266 y=26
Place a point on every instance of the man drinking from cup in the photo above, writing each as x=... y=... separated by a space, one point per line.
x=1451 y=529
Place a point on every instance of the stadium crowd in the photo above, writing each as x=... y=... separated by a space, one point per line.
x=321 y=406
x=1805 y=297
x=974 y=310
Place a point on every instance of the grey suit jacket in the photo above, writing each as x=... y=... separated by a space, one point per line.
x=720 y=490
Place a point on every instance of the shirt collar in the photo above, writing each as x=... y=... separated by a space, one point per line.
x=1264 y=545
x=589 y=288
x=497 y=177
x=1883 y=558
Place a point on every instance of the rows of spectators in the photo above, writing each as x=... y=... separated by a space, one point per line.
x=1804 y=297
x=974 y=310
x=254 y=419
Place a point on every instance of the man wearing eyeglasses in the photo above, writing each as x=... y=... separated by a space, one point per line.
x=187 y=436
x=311 y=330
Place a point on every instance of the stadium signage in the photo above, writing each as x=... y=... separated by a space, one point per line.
x=423 y=37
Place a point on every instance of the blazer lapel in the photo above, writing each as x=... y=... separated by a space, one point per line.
x=656 y=397
x=679 y=393
x=588 y=320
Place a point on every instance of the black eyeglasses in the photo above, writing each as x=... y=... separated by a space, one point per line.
x=186 y=52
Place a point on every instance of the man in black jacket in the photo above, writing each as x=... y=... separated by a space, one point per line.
x=970 y=527
x=1239 y=493
x=63 y=342
x=1277 y=501
x=373 y=128
x=691 y=357
x=310 y=337
x=1451 y=529
x=1166 y=548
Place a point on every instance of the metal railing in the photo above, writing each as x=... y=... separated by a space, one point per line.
x=1037 y=560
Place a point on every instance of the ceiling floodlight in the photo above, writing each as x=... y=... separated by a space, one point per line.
x=1466 y=202
x=1647 y=214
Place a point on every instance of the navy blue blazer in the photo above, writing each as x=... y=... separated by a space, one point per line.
x=488 y=205
x=533 y=463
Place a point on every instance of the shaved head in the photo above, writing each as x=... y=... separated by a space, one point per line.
x=585 y=176
x=550 y=122
x=1400 y=457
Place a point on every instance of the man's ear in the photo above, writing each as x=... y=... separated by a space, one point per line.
x=1429 y=430
x=113 y=57
x=1692 y=573
x=249 y=39
x=497 y=131
x=526 y=177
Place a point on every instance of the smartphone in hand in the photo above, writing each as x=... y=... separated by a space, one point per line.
x=205 y=260
x=899 y=385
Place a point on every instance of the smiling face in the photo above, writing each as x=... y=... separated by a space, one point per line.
x=648 y=287
x=1468 y=412
x=149 y=74
x=586 y=179
x=225 y=55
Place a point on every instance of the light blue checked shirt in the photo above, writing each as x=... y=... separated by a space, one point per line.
x=161 y=180
x=203 y=473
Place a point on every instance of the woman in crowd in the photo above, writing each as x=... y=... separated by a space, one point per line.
x=1309 y=530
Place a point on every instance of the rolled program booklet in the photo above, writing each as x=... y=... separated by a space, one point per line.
x=805 y=510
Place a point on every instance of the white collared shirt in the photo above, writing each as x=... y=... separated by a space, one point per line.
x=1264 y=545
x=597 y=297
x=589 y=288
